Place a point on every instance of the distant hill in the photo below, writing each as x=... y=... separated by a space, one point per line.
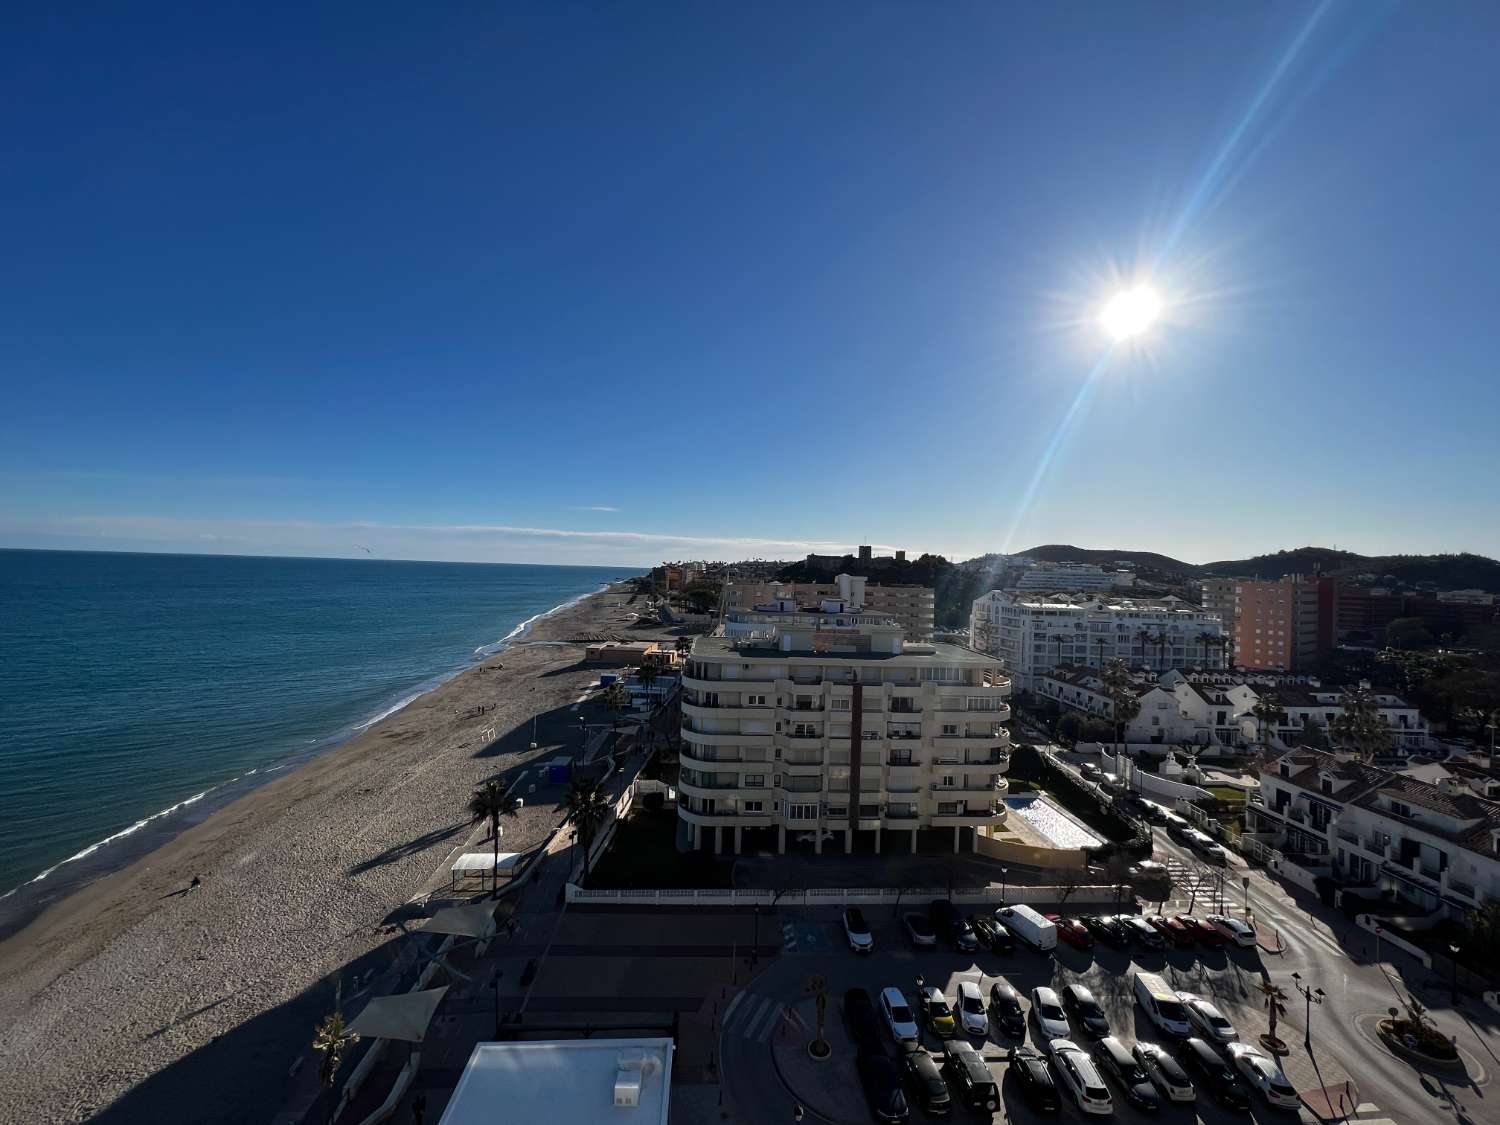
x=1065 y=552
x=1446 y=572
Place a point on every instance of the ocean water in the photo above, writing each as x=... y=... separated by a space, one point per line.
x=139 y=692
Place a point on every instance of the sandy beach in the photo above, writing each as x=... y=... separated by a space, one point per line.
x=108 y=992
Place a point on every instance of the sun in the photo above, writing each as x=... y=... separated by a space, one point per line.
x=1131 y=312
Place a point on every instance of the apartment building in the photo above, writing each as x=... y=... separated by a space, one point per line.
x=911 y=607
x=829 y=724
x=1305 y=705
x=1051 y=577
x=1376 y=833
x=1030 y=635
x=1218 y=599
x=1285 y=624
x=1174 y=711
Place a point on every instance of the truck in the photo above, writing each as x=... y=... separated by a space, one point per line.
x=1029 y=926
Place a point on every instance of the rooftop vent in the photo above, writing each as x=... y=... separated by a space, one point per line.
x=628 y=1089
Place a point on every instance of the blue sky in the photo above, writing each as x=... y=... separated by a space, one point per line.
x=614 y=283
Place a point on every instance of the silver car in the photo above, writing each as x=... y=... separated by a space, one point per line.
x=1047 y=1010
x=1215 y=1026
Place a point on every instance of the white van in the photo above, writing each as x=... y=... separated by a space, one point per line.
x=1026 y=924
x=1159 y=1001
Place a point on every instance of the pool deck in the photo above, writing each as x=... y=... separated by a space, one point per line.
x=1026 y=833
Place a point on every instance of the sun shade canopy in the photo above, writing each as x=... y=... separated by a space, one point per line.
x=398 y=1017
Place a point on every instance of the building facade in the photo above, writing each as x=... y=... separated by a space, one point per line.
x=911 y=607
x=1031 y=635
x=828 y=725
x=1218 y=599
x=1286 y=624
x=1050 y=577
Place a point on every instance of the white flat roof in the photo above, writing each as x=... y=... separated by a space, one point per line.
x=486 y=861
x=561 y=1082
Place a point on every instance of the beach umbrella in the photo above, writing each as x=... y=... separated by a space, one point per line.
x=398 y=1017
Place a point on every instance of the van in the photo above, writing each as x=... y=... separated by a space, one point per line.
x=971 y=1076
x=1029 y=926
x=1159 y=1001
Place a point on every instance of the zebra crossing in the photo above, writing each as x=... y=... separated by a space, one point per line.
x=1366 y=1113
x=758 y=1018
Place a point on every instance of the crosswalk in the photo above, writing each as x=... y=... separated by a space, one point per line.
x=1368 y=1113
x=758 y=1018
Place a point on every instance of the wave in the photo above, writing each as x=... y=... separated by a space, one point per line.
x=389 y=711
x=120 y=835
x=494 y=648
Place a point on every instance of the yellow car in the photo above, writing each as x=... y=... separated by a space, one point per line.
x=936 y=1011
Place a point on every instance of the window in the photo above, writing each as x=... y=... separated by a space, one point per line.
x=755 y=701
x=755 y=781
x=841 y=704
x=802 y=812
x=950 y=730
x=753 y=806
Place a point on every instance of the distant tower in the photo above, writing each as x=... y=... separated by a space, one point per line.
x=900 y=556
x=864 y=553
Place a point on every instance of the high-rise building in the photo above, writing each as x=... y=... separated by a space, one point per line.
x=832 y=723
x=911 y=607
x=1218 y=599
x=1284 y=624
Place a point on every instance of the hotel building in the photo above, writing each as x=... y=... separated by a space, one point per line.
x=911 y=607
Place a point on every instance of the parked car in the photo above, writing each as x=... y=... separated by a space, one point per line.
x=1035 y=1079
x=970 y=1076
x=1086 y=1010
x=882 y=1085
x=971 y=1012
x=1214 y=1073
x=857 y=931
x=918 y=930
x=1164 y=1071
x=860 y=1018
x=1005 y=1009
x=1203 y=932
x=991 y=934
x=924 y=1078
x=1117 y=1063
x=1160 y=1003
x=1142 y=931
x=1047 y=1011
x=935 y=1012
x=1261 y=1071
x=899 y=1018
x=1077 y=1075
x=1147 y=869
x=1027 y=925
x=952 y=926
x=1233 y=930
x=1090 y=771
x=1072 y=931
x=1208 y=1019
x=1172 y=930
x=1109 y=929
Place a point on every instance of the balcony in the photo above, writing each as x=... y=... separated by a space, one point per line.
x=1463 y=890
x=975 y=816
x=802 y=761
x=802 y=784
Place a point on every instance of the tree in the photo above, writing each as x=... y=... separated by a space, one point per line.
x=1070 y=727
x=1099 y=643
x=1162 y=641
x=617 y=696
x=1408 y=633
x=702 y=598
x=647 y=673
x=1143 y=638
x=1361 y=727
x=1124 y=706
x=1069 y=879
x=1274 y=998
x=1059 y=638
x=1205 y=639
x=1267 y=710
x=1313 y=733
x=489 y=803
x=589 y=809
x=817 y=988
x=1482 y=926
x=332 y=1037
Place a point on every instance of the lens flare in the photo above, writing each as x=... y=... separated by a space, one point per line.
x=1130 y=313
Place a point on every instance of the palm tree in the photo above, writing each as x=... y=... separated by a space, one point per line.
x=1267 y=710
x=588 y=808
x=817 y=988
x=1099 y=643
x=1124 y=706
x=1275 y=1003
x=1144 y=638
x=489 y=803
x=1361 y=725
x=1162 y=654
x=332 y=1037
x=1224 y=650
x=1059 y=638
x=647 y=673
x=1205 y=639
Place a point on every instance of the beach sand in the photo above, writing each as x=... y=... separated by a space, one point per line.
x=140 y=999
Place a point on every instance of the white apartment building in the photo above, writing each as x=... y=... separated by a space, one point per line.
x=1050 y=577
x=1375 y=832
x=1173 y=710
x=832 y=724
x=911 y=607
x=1304 y=704
x=1030 y=635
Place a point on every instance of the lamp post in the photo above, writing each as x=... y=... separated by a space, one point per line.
x=1453 y=951
x=1004 y=871
x=1245 y=883
x=1312 y=996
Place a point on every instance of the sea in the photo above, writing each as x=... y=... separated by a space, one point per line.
x=140 y=692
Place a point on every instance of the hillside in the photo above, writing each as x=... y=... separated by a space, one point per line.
x=1446 y=572
x=1064 y=552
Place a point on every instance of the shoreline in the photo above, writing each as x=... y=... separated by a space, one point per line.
x=130 y=983
x=25 y=901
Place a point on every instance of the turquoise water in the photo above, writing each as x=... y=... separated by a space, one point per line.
x=130 y=684
x=1052 y=823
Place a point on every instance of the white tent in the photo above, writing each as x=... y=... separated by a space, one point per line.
x=398 y=1017
x=484 y=865
x=477 y=921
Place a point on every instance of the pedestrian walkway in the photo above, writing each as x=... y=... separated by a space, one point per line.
x=758 y=1018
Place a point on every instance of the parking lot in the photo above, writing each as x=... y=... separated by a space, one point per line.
x=831 y=1089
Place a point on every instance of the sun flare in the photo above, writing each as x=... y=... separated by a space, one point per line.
x=1131 y=312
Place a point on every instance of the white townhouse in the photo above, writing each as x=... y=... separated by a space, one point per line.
x=1173 y=709
x=1302 y=704
x=833 y=724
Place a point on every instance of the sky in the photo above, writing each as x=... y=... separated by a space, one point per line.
x=615 y=283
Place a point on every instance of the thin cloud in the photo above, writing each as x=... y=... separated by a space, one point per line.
x=592 y=508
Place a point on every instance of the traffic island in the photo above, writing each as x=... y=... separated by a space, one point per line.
x=1419 y=1043
x=830 y=1093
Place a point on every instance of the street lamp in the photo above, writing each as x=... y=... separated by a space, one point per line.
x=1312 y=996
x=1453 y=950
x=1004 y=871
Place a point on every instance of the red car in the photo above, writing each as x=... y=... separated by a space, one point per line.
x=1203 y=932
x=1072 y=931
x=1173 y=930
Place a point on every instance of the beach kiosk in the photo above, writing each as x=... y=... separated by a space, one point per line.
x=485 y=866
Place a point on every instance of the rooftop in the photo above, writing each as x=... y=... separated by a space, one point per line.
x=927 y=652
x=562 y=1082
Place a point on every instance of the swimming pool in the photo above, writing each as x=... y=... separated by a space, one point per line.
x=1051 y=823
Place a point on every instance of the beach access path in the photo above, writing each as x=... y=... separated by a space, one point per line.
x=145 y=998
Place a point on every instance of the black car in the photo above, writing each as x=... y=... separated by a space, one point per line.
x=1085 y=1009
x=882 y=1083
x=925 y=1079
x=1035 y=1079
x=1142 y=931
x=1005 y=1009
x=918 y=930
x=862 y=1020
x=1117 y=1063
x=1108 y=929
x=952 y=925
x=970 y=1075
x=992 y=934
x=1214 y=1073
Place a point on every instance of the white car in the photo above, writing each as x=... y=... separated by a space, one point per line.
x=972 y=1012
x=1165 y=1072
x=1047 y=1010
x=1210 y=1021
x=1261 y=1071
x=1077 y=1074
x=1241 y=933
x=899 y=1017
x=857 y=931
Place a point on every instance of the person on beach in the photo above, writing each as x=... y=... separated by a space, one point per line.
x=196 y=883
